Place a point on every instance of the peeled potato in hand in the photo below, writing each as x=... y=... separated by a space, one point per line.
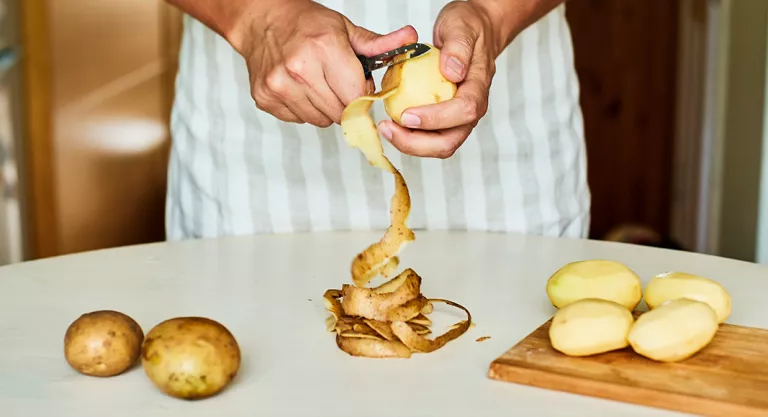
x=590 y=326
x=674 y=331
x=102 y=343
x=190 y=357
x=419 y=82
x=606 y=280
x=415 y=82
x=673 y=285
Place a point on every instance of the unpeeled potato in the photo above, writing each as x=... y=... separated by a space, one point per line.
x=590 y=326
x=190 y=357
x=607 y=280
x=673 y=285
x=674 y=331
x=102 y=343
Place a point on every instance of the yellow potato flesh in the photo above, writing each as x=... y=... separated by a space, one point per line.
x=606 y=280
x=673 y=285
x=103 y=343
x=674 y=331
x=590 y=326
x=419 y=82
x=190 y=357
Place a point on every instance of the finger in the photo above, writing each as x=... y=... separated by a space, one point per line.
x=325 y=100
x=344 y=76
x=319 y=93
x=302 y=107
x=426 y=144
x=458 y=42
x=293 y=92
x=285 y=114
x=269 y=104
x=369 y=43
x=467 y=107
x=341 y=66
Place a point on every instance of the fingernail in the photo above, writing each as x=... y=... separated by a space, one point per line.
x=410 y=120
x=455 y=66
x=385 y=131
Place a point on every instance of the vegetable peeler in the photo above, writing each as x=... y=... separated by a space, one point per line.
x=392 y=57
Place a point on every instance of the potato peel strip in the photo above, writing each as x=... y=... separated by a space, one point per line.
x=392 y=284
x=365 y=302
x=415 y=342
x=390 y=320
x=372 y=348
x=382 y=328
x=360 y=132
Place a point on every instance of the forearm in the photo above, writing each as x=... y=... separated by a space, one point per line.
x=510 y=17
x=225 y=17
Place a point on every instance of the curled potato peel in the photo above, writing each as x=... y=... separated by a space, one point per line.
x=398 y=335
x=372 y=348
x=417 y=343
x=415 y=82
x=421 y=319
x=360 y=132
x=390 y=320
x=382 y=328
x=365 y=302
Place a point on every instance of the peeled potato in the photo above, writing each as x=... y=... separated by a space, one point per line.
x=590 y=326
x=673 y=285
x=607 y=280
x=674 y=331
x=190 y=357
x=419 y=82
x=102 y=343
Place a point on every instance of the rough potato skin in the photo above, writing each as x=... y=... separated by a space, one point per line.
x=190 y=357
x=103 y=343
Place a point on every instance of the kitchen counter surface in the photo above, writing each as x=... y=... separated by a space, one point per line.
x=268 y=291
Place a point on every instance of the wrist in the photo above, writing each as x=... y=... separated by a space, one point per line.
x=254 y=17
x=499 y=21
x=507 y=18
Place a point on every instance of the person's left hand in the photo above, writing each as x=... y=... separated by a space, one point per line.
x=464 y=34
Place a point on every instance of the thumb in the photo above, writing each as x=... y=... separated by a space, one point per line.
x=369 y=43
x=457 y=43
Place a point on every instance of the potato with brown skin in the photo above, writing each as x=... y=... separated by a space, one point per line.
x=103 y=343
x=190 y=357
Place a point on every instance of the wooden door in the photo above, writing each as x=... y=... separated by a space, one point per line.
x=626 y=54
x=97 y=101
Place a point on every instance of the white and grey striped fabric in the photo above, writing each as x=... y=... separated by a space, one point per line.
x=236 y=170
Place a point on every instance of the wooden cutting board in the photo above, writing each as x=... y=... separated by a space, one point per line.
x=728 y=378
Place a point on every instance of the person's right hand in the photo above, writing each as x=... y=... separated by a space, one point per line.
x=301 y=57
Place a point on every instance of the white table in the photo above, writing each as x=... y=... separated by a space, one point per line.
x=260 y=288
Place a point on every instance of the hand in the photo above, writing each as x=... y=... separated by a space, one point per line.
x=464 y=33
x=301 y=58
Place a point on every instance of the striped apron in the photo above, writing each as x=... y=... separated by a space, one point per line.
x=236 y=170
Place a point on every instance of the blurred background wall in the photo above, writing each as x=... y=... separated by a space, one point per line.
x=673 y=94
x=97 y=87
